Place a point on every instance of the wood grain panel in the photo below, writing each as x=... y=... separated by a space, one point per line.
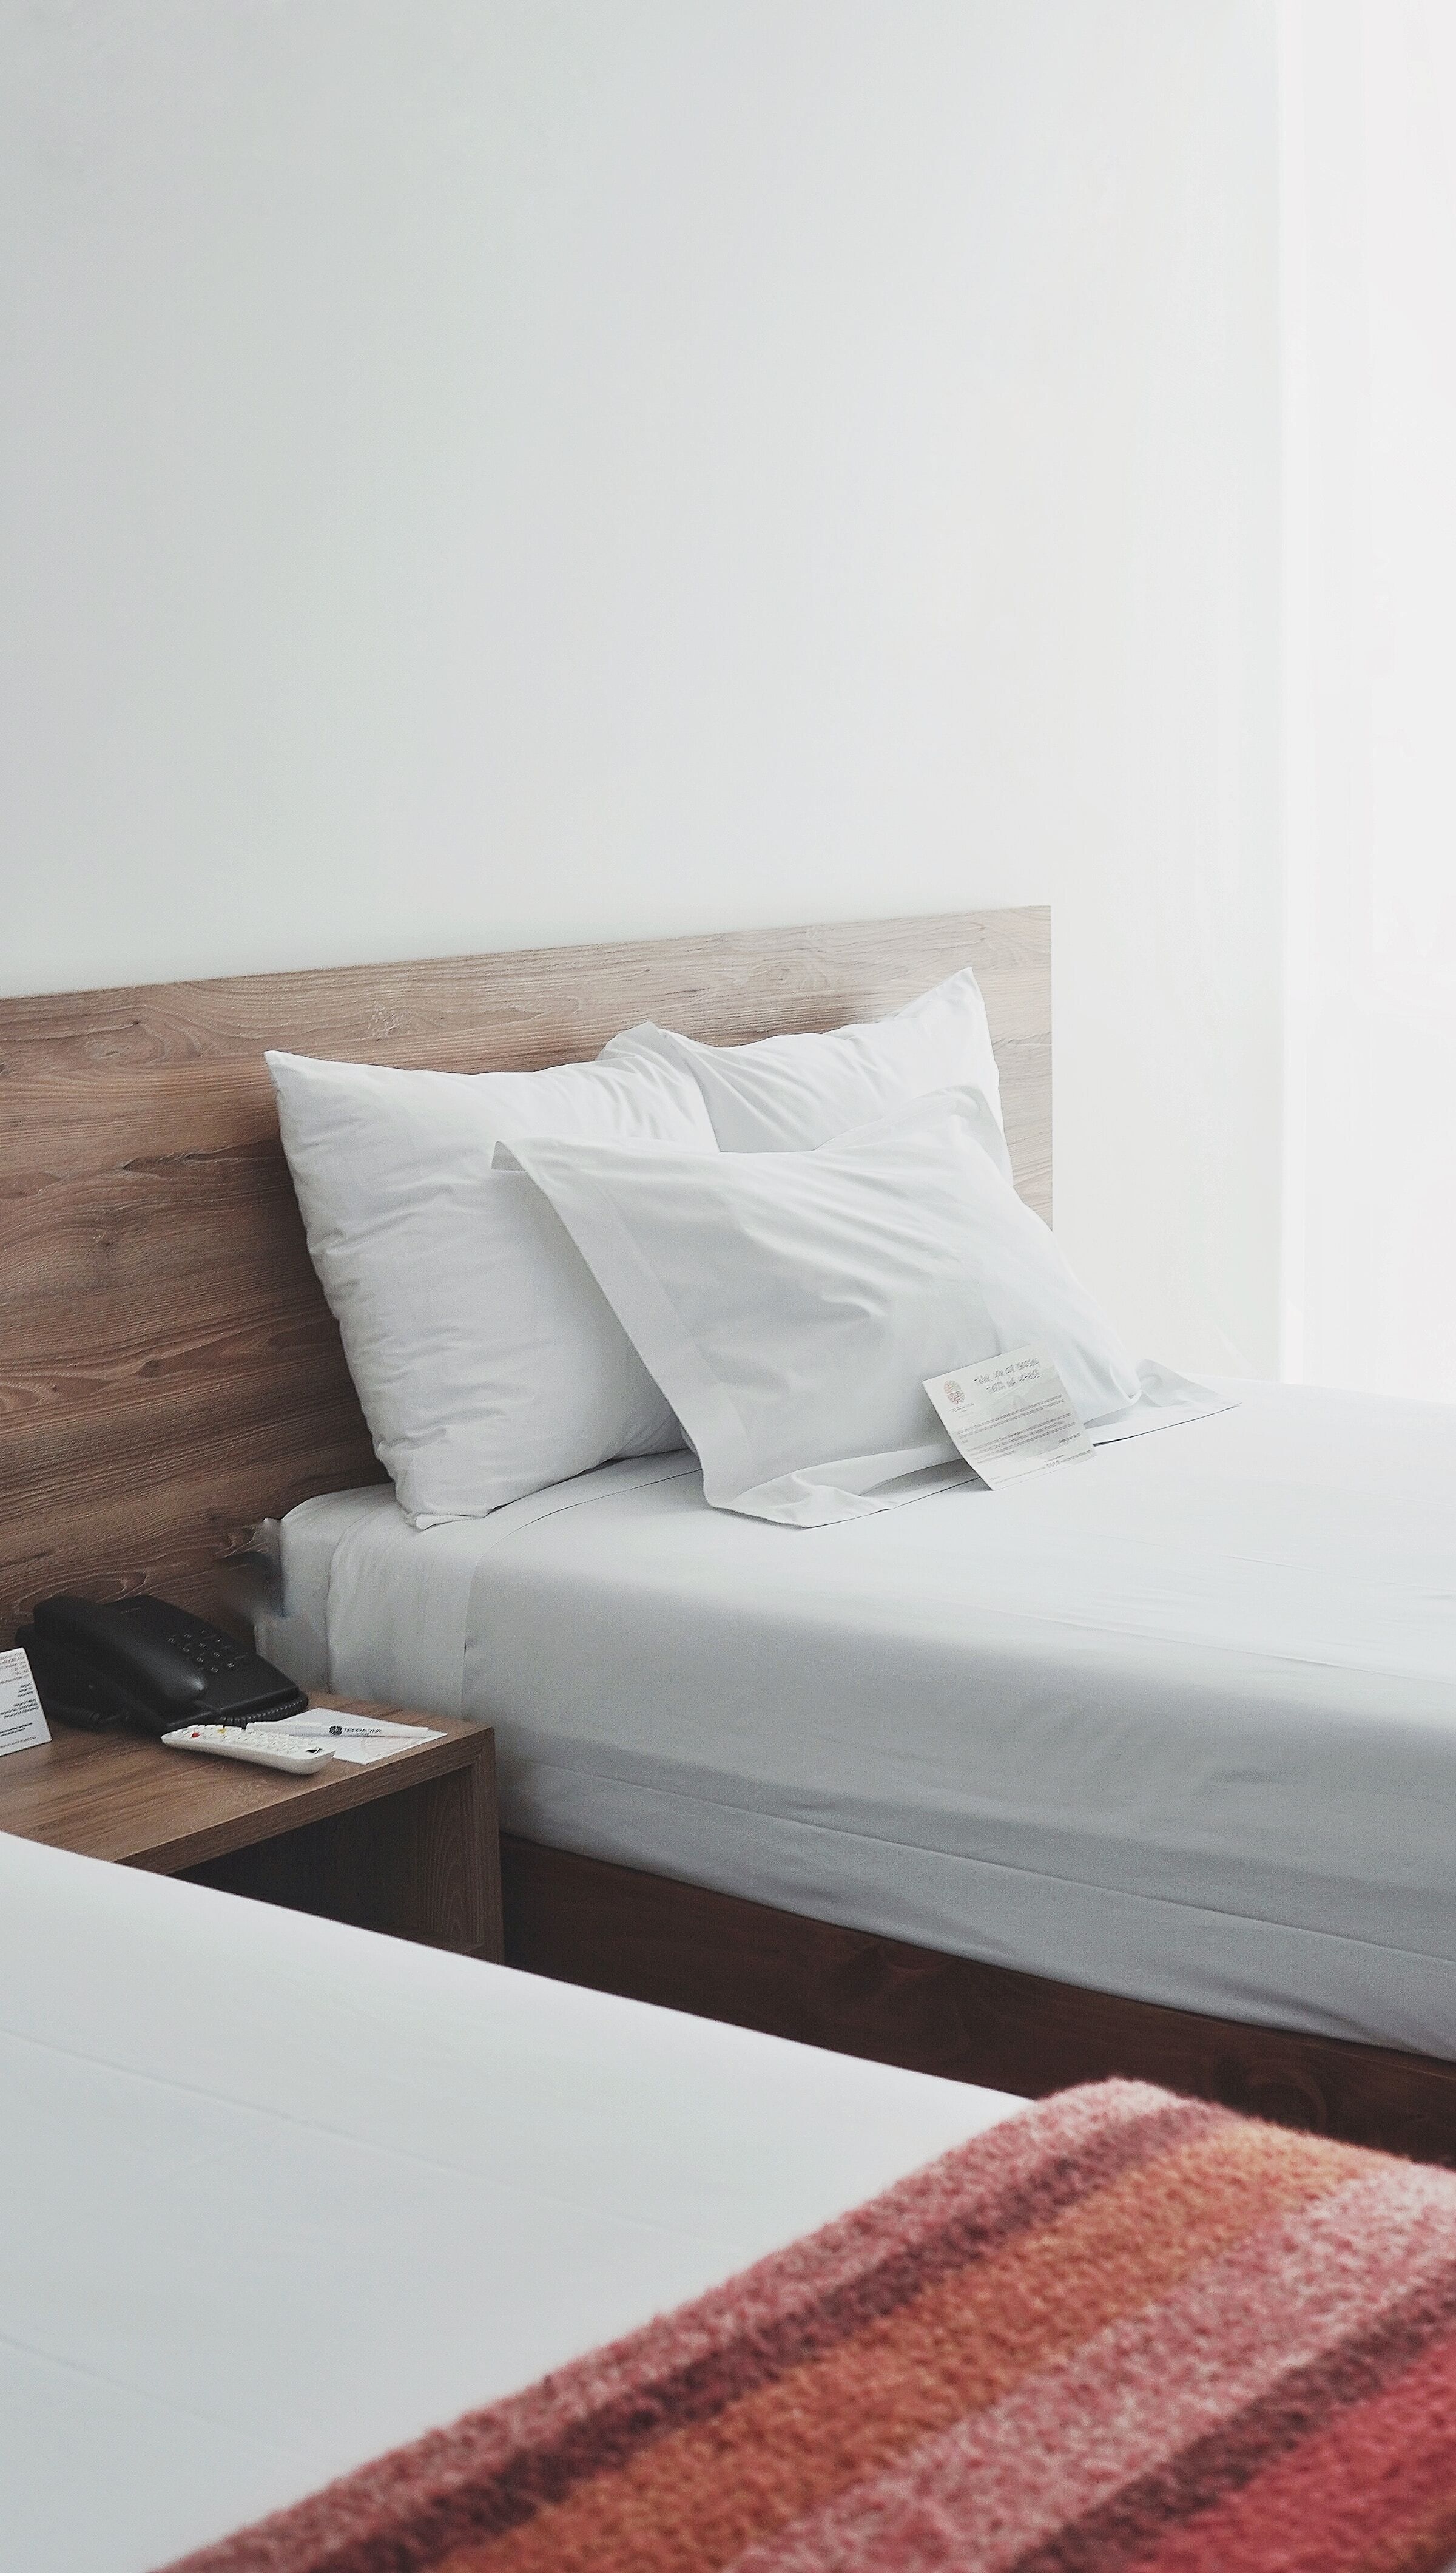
x=126 y=1798
x=168 y=1371
x=410 y=1846
x=412 y=1864
x=619 y=1930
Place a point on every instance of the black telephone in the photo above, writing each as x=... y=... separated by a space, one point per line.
x=143 y=1663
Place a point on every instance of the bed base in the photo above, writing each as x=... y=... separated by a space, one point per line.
x=619 y=1930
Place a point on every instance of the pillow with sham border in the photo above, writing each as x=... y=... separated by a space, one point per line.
x=486 y=1361
x=790 y=1305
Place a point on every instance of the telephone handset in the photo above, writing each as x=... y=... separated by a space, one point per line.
x=143 y=1663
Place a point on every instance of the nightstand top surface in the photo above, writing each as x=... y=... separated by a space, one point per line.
x=121 y=1796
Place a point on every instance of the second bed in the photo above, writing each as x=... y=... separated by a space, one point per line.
x=1177 y=1723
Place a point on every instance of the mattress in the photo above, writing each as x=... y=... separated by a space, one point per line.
x=280 y=2195
x=1176 y=1722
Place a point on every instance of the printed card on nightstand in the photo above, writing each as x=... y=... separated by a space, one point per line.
x=22 y=1720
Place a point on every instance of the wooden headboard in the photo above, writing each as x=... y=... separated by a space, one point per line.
x=168 y=1371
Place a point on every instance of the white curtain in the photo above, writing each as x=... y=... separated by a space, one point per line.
x=1369 y=159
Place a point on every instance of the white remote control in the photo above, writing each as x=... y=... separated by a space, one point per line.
x=264 y=1744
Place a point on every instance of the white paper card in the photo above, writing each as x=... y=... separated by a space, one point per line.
x=358 y=1739
x=22 y=1721
x=1009 y=1415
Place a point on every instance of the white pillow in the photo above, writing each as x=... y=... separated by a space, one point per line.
x=790 y=1303
x=787 y=1094
x=486 y=1359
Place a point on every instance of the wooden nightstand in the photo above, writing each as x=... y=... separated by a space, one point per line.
x=410 y=1846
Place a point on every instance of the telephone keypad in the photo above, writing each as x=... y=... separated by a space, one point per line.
x=211 y=1657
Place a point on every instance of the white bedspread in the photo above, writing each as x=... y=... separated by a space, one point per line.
x=279 y=2195
x=1177 y=1722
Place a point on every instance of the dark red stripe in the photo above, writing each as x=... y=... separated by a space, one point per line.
x=708 y=2385
x=409 y=2540
x=1210 y=2469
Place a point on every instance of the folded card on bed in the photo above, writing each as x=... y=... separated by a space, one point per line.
x=791 y=1305
x=1009 y=1415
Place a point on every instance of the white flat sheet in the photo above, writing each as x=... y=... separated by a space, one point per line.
x=279 y=2195
x=1178 y=1721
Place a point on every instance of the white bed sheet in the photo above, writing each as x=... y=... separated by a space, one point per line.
x=1177 y=1722
x=279 y=2195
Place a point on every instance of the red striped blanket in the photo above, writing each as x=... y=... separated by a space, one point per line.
x=1119 y=2329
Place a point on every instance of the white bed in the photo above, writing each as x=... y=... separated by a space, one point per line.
x=1178 y=1722
x=280 y=2195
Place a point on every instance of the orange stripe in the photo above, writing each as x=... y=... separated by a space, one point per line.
x=695 y=2498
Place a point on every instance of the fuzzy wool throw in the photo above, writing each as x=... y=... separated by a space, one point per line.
x=1119 y=2329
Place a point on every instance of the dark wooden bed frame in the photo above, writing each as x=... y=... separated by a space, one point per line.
x=623 y=1931
x=169 y=1376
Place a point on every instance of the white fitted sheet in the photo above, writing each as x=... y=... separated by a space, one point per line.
x=1177 y=1722
x=280 y=2195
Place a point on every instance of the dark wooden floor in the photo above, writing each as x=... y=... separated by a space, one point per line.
x=622 y=1931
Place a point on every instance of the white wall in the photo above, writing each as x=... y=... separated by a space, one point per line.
x=533 y=470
